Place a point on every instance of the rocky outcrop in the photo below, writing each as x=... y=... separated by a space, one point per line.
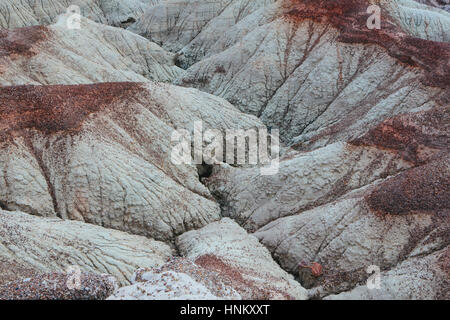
x=102 y=154
x=364 y=109
x=86 y=129
x=23 y=13
x=309 y=179
x=178 y=279
x=200 y=29
x=305 y=180
x=192 y=27
x=388 y=207
x=347 y=236
x=56 y=54
x=33 y=246
x=222 y=262
x=320 y=75
x=227 y=249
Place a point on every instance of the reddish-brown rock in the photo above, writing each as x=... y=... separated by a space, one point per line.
x=425 y=188
x=350 y=18
x=21 y=41
x=416 y=137
x=51 y=109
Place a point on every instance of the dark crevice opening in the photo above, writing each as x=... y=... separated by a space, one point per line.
x=204 y=170
x=128 y=22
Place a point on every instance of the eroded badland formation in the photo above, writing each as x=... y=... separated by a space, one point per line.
x=86 y=178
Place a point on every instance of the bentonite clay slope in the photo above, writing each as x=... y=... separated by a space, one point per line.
x=224 y=262
x=199 y=29
x=347 y=236
x=178 y=279
x=193 y=25
x=21 y=13
x=94 y=53
x=102 y=154
x=317 y=72
x=364 y=184
x=308 y=179
x=310 y=213
x=421 y=21
x=304 y=181
x=31 y=246
x=423 y=278
x=226 y=248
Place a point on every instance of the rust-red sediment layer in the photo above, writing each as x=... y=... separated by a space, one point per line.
x=214 y=263
x=416 y=137
x=57 y=108
x=350 y=17
x=21 y=41
x=423 y=188
x=210 y=261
